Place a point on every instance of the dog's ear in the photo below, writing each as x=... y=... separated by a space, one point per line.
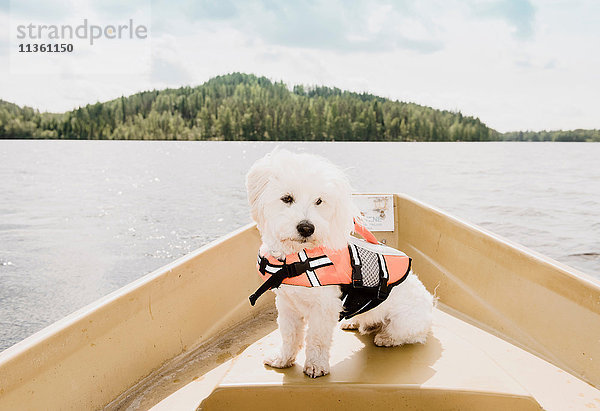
x=256 y=181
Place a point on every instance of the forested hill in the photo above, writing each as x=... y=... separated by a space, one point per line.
x=246 y=107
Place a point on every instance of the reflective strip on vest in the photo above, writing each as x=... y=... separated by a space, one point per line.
x=383 y=266
x=312 y=277
x=355 y=256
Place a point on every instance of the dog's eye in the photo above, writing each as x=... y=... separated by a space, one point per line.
x=288 y=199
x=319 y=201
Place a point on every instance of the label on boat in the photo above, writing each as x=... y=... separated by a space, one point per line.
x=377 y=211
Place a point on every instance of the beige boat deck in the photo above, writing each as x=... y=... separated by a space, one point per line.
x=460 y=367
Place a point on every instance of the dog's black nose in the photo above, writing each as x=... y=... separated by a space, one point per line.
x=305 y=228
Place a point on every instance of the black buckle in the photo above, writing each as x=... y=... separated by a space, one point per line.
x=295 y=269
x=382 y=292
x=357 y=280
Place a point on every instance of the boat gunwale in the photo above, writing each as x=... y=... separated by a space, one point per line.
x=76 y=316
x=568 y=271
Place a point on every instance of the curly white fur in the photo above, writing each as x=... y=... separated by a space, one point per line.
x=321 y=195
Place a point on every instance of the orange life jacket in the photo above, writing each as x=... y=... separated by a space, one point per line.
x=366 y=271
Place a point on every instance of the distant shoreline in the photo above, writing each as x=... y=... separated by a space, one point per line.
x=288 y=141
x=245 y=107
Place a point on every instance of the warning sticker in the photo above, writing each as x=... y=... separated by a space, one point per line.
x=377 y=211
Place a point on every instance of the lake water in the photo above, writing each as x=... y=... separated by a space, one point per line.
x=79 y=219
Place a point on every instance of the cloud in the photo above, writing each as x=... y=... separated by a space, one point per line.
x=520 y=14
x=39 y=10
x=4 y=55
x=334 y=25
x=211 y=10
x=371 y=27
x=305 y=24
x=169 y=73
x=118 y=9
x=551 y=64
x=526 y=63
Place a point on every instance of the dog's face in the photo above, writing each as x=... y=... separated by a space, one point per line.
x=299 y=201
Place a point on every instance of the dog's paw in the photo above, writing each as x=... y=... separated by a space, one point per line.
x=385 y=340
x=315 y=369
x=349 y=325
x=276 y=361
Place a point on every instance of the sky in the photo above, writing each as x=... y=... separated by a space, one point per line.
x=515 y=64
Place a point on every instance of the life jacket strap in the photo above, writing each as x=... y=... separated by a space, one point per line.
x=357 y=301
x=279 y=272
x=358 y=271
x=383 y=290
x=364 y=233
x=355 y=262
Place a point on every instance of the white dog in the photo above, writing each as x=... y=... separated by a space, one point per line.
x=301 y=201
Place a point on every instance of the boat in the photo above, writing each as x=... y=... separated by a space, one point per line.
x=513 y=329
